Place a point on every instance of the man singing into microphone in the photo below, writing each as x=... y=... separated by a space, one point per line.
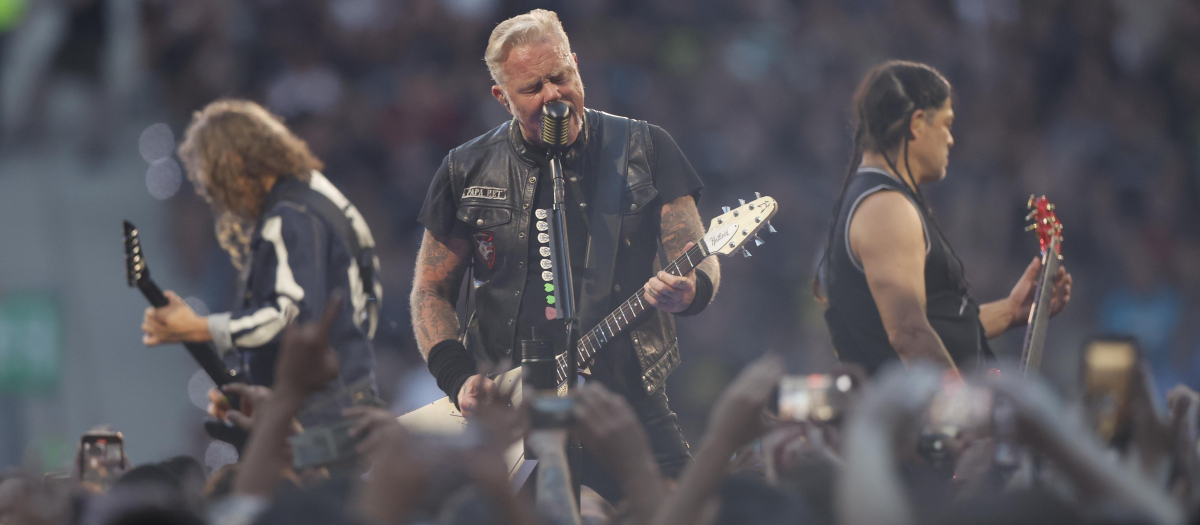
x=628 y=187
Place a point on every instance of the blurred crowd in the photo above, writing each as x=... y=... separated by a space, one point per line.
x=903 y=447
x=1094 y=103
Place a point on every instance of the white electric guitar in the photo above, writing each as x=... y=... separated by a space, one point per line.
x=727 y=234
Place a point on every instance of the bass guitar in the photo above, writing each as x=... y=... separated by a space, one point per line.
x=1049 y=232
x=727 y=234
x=137 y=274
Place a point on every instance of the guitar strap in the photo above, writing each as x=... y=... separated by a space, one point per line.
x=611 y=167
x=364 y=258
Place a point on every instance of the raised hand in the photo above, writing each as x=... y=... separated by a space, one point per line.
x=899 y=395
x=608 y=426
x=737 y=416
x=370 y=421
x=173 y=323
x=252 y=396
x=398 y=477
x=306 y=361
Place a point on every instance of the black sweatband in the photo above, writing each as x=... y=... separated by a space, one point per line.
x=451 y=365
x=704 y=293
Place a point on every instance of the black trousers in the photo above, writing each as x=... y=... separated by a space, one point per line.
x=666 y=442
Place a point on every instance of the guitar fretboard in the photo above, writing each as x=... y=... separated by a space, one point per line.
x=625 y=315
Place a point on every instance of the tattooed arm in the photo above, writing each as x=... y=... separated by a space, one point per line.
x=680 y=227
x=555 y=501
x=438 y=275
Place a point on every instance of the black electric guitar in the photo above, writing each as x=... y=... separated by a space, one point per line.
x=137 y=274
x=727 y=234
x=1049 y=232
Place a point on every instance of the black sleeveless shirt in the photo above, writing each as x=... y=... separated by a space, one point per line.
x=853 y=318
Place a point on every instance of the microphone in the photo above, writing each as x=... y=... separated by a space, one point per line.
x=556 y=124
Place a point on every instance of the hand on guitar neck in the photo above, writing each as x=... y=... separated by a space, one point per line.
x=174 y=323
x=1022 y=296
x=672 y=293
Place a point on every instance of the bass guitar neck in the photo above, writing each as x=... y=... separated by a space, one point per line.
x=1039 y=315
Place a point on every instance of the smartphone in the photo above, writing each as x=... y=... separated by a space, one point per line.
x=1108 y=366
x=101 y=459
x=324 y=445
x=815 y=397
x=548 y=410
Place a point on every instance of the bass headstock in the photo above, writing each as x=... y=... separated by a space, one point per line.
x=135 y=264
x=730 y=231
x=1045 y=222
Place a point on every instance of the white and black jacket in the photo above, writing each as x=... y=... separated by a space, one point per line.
x=296 y=260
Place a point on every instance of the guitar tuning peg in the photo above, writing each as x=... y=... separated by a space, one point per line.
x=1050 y=207
x=770 y=229
x=1030 y=216
x=725 y=209
x=757 y=196
x=741 y=202
x=745 y=253
x=758 y=242
x=1030 y=203
x=1031 y=227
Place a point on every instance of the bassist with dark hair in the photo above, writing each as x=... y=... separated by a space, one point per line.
x=893 y=286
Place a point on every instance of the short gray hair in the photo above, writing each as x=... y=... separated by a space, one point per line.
x=534 y=26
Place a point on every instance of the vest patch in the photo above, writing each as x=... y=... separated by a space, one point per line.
x=485 y=244
x=485 y=192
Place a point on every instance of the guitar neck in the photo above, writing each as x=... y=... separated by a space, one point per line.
x=204 y=354
x=1039 y=316
x=625 y=315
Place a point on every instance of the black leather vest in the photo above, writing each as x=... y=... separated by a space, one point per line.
x=494 y=178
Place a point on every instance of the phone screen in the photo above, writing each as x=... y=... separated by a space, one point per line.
x=1108 y=367
x=101 y=459
x=814 y=397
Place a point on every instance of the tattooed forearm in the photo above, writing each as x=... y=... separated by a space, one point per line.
x=555 y=502
x=681 y=225
x=441 y=263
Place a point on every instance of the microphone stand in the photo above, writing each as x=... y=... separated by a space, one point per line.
x=564 y=292
x=560 y=256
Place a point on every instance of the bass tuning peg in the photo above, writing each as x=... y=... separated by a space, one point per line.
x=741 y=202
x=757 y=196
x=758 y=242
x=725 y=209
x=770 y=229
x=745 y=252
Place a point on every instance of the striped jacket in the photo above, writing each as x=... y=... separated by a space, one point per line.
x=296 y=261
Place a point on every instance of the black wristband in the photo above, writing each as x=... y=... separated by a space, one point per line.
x=704 y=293
x=451 y=365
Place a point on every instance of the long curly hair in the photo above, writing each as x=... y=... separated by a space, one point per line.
x=233 y=150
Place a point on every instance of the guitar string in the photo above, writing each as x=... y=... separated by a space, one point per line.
x=588 y=344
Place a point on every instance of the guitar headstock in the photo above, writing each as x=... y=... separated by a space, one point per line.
x=135 y=265
x=1045 y=222
x=730 y=231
